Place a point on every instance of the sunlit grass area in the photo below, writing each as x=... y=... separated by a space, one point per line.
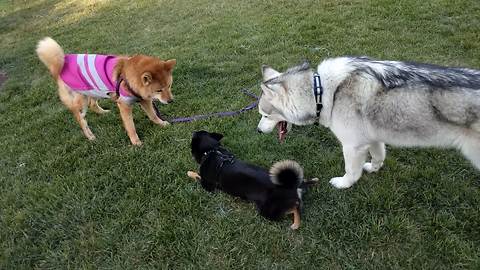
x=66 y=202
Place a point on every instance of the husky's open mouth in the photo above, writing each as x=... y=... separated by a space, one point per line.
x=282 y=131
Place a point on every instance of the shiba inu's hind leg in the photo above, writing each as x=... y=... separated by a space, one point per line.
x=93 y=103
x=79 y=110
x=377 y=151
x=78 y=105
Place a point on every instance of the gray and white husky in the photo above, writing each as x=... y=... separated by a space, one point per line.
x=369 y=103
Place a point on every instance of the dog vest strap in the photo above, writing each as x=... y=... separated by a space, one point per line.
x=317 y=92
x=224 y=159
x=208 y=153
x=117 y=88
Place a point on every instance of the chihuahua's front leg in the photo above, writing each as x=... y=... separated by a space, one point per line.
x=194 y=175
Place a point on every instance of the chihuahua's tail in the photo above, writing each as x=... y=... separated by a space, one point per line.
x=52 y=55
x=286 y=173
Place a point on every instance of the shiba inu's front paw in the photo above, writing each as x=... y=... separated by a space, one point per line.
x=164 y=124
x=89 y=134
x=341 y=182
x=370 y=167
x=136 y=142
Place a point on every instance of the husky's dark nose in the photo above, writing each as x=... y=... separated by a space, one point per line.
x=170 y=101
x=259 y=131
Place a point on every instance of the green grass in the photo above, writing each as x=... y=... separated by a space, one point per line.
x=66 y=202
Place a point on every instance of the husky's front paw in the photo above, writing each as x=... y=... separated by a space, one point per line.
x=370 y=167
x=341 y=182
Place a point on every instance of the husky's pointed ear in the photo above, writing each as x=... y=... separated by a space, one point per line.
x=273 y=88
x=267 y=91
x=216 y=136
x=305 y=65
x=269 y=73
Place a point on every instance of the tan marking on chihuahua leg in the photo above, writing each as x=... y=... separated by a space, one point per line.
x=296 y=218
x=93 y=103
x=194 y=175
x=147 y=107
x=127 y=119
x=79 y=109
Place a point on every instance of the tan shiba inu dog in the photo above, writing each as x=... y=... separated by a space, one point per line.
x=84 y=78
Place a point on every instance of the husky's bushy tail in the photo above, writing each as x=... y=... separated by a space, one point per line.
x=52 y=55
x=286 y=173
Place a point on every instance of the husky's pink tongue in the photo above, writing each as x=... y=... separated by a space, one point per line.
x=282 y=131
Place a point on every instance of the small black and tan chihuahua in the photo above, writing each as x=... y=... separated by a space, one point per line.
x=276 y=192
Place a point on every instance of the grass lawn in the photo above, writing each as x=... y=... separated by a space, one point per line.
x=66 y=202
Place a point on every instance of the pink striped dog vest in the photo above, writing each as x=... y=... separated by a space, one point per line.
x=92 y=75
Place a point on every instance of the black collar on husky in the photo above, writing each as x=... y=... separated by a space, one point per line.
x=318 y=92
x=117 y=88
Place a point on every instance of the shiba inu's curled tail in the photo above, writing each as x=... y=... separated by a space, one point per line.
x=286 y=173
x=52 y=55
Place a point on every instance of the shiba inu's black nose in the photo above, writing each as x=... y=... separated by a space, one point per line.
x=259 y=131
x=170 y=101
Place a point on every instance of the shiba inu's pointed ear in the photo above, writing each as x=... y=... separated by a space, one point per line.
x=216 y=136
x=169 y=64
x=146 y=78
x=269 y=73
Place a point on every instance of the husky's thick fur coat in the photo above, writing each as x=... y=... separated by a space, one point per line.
x=367 y=103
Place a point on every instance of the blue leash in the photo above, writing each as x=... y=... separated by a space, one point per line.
x=215 y=114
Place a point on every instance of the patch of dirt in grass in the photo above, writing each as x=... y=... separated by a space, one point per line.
x=3 y=78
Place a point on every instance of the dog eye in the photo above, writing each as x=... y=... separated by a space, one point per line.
x=159 y=91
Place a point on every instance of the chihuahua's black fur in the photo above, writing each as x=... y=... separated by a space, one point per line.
x=275 y=193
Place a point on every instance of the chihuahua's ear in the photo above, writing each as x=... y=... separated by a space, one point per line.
x=147 y=78
x=216 y=136
x=169 y=64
